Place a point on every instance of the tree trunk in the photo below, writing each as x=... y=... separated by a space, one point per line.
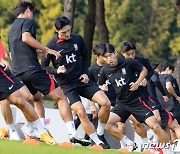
x=69 y=8
x=100 y=22
x=89 y=26
x=176 y=4
x=177 y=71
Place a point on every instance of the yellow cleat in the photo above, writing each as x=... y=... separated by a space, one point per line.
x=3 y=133
x=45 y=137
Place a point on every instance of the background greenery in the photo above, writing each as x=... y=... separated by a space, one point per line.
x=153 y=24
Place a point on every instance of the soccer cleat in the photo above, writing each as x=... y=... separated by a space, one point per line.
x=13 y=135
x=32 y=134
x=45 y=137
x=131 y=147
x=3 y=133
x=81 y=141
x=106 y=144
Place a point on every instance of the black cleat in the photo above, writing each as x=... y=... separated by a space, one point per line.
x=106 y=144
x=81 y=141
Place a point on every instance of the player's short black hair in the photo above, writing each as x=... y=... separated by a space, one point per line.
x=61 y=21
x=22 y=6
x=154 y=65
x=162 y=67
x=128 y=45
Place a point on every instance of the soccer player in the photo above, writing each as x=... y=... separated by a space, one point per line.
x=121 y=73
x=172 y=90
x=9 y=89
x=129 y=51
x=5 y=106
x=25 y=65
x=74 y=78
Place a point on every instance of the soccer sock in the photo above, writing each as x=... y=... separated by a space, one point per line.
x=71 y=128
x=30 y=126
x=38 y=125
x=11 y=127
x=145 y=140
x=42 y=121
x=126 y=140
x=95 y=138
x=100 y=128
x=123 y=145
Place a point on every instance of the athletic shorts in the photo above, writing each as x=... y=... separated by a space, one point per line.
x=176 y=112
x=166 y=117
x=8 y=84
x=38 y=80
x=150 y=102
x=75 y=90
x=138 y=109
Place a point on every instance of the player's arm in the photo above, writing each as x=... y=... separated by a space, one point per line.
x=171 y=90
x=3 y=57
x=28 y=39
x=134 y=85
x=102 y=81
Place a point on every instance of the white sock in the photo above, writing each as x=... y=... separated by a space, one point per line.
x=126 y=140
x=155 y=139
x=71 y=128
x=123 y=145
x=38 y=125
x=100 y=128
x=11 y=127
x=145 y=140
x=30 y=126
x=43 y=121
x=95 y=138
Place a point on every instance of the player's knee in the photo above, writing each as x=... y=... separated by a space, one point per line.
x=20 y=102
x=106 y=104
x=81 y=113
x=156 y=127
x=108 y=127
x=30 y=99
x=5 y=104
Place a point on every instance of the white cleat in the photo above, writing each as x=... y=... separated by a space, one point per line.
x=13 y=135
x=32 y=134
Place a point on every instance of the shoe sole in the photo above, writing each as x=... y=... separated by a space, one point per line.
x=83 y=143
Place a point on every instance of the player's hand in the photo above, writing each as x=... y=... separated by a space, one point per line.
x=53 y=52
x=144 y=82
x=103 y=87
x=166 y=99
x=178 y=99
x=61 y=69
x=5 y=64
x=84 y=78
x=94 y=111
x=41 y=53
x=133 y=86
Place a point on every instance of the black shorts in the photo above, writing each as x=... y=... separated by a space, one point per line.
x=38 y=80
x=166 y=117
x=8 y=84
x=150 y=102
x=138 y=109
x=121 y=112
x=176 y=112
x=75 y=90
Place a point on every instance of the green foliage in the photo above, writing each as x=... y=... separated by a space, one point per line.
x=47 y=13
x=153 y=24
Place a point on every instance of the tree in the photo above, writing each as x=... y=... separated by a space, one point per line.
x=69 y=8
x=100 y=22
x=90 y=26
x=177 y=71
x=48 y=10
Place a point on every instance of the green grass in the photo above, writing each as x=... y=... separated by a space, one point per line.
x=16 y=147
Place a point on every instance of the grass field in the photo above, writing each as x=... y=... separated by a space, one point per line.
x=16 y=147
